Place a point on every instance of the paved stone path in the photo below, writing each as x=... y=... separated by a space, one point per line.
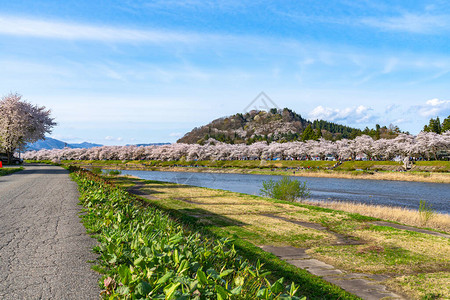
x=366 y=286
x=410 y=228
x=44 y=248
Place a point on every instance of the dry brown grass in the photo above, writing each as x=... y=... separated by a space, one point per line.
x=396 y=214
x=396 y=176
x=423 y=286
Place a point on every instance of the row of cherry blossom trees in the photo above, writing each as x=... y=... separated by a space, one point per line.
x=426 y=145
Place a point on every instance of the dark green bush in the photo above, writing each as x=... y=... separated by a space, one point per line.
x=114 y=172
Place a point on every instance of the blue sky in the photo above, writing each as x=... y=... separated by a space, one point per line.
x=126 y=72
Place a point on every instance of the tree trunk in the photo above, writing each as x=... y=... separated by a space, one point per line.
x=10 y=155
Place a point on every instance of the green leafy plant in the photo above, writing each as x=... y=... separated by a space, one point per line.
x=145 y=254
x=285 y=189
x=426 y=212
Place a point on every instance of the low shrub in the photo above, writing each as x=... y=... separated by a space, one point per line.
x=285 y=189
x=114 y=172
x=426 y=212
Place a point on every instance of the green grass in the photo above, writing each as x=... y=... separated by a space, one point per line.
x=240 y=164
x=436 y=166
x=364 y=165
x=7 y=171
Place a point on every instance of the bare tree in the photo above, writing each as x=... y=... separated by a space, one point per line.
x=21 y=122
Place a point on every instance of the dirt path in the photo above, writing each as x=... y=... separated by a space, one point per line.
x=44 y=248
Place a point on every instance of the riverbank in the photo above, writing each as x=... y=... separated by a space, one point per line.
x=349 y=242
x=425 y=171
x=143 y=253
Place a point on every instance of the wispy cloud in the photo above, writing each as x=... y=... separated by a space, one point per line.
x=423 y=22
x=17 y=26
x=176 y=134
x=189 y=4
x=412 y=23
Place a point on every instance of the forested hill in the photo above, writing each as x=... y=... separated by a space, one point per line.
x=280 y=125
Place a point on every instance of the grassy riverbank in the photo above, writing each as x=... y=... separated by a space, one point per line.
x=426 y=171
x=144 y=253
x=7 y=171
x=348 y=241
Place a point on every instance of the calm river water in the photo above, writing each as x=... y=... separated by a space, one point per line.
x=392 y=193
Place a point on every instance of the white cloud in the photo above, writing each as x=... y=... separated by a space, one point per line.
x=358 y=114
x=434 y=107
x=111 y=138
x=436 y=102
x=17 y=26
x=413 y=23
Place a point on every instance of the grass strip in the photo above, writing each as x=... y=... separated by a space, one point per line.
x=145 y=254
x=7 y=171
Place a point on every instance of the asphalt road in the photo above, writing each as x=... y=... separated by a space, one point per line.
x=44 y=249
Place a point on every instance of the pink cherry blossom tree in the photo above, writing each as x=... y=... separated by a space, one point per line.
x=22 y=122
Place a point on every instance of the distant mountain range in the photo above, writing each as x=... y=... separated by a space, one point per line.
x=49 y=143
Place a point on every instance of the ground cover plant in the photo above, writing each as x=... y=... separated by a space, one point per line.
x=346 y=240
x=144 y=254
x=7 y=171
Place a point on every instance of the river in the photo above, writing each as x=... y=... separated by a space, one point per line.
x=380 y=192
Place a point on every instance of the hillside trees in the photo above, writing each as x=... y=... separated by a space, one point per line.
x=281 y=125
x=436 y=126
x=21 y=122
x=446 y=124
